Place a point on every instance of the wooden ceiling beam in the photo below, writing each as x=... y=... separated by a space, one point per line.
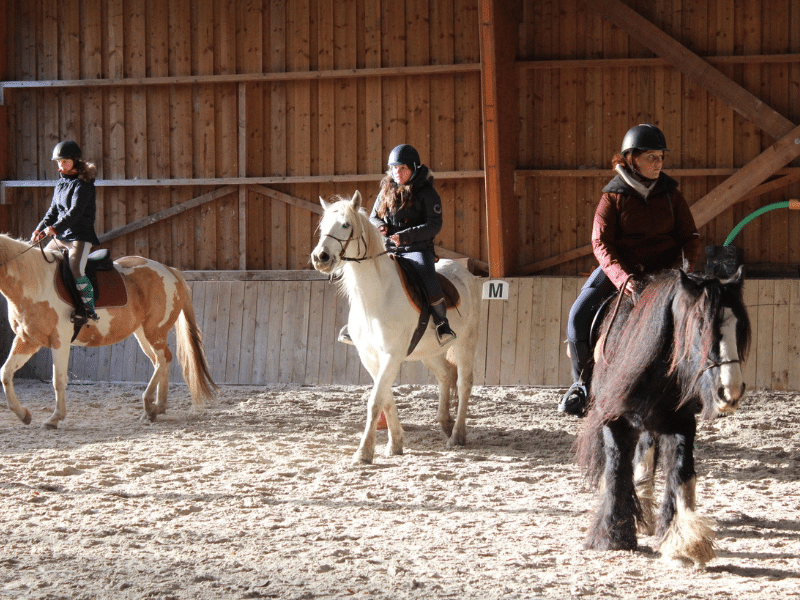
x=692 y=66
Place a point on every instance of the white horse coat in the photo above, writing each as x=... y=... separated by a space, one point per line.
x=382 y=322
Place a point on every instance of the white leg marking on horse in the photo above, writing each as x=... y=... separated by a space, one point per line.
x=644 y=480
x=690 y=537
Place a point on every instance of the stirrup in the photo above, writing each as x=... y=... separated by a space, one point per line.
x=574 y=400
x=444 y=335
x=344 y=336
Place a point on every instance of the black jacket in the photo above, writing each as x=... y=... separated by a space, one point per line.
x=72 y=211
x=420 y=222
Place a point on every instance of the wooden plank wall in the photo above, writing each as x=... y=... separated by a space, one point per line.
x=267 y=332
x=587 y=82
x=321 y=129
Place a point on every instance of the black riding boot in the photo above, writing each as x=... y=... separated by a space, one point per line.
x=443 y=332
x=574 y=401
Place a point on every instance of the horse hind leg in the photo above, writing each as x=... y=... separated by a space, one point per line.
x=444 y=375
x=154 y=397
x=644 y=475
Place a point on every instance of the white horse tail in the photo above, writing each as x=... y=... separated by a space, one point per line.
x=191 y=353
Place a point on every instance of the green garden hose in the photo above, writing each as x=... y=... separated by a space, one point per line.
x=792 y=204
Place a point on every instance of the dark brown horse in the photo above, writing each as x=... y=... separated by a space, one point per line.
x=673 y=354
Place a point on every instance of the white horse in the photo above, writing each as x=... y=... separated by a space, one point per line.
x=382 y=322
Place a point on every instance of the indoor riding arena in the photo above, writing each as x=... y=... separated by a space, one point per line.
x=238 y=469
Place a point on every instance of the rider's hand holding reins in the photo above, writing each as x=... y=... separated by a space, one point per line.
x=39 y=235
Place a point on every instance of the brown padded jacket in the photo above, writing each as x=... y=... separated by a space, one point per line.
x=634 y=236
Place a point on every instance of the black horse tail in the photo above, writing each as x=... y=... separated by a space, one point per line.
x=589 y=448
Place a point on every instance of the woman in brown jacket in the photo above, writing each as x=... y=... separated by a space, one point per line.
x=642 y=225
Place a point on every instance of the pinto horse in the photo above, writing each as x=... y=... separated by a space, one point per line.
x=673 y=354
x=157 y=299
x=382 y=322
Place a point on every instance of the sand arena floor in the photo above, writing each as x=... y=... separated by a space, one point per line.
x=256 y=498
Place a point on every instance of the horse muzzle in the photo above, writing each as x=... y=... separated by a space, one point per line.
x=323 y=261
x=728 y=400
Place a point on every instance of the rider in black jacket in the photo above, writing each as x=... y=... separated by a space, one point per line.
x=70 y=218
x=408 y=212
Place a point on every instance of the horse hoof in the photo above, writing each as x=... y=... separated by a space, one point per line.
x=447 y=428
x=26 y=420
x=49 y=425
x=360 y=460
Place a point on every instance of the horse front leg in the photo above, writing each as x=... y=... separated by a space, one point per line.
x=684 y=536
x=380 y=400
x=614 y=525
x=60 y=367
x=21 y=353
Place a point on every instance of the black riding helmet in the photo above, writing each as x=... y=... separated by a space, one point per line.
x=643 y=137
x=66 y=150
x=404 y=155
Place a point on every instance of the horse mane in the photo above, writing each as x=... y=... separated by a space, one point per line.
x=16 y=255
x=658 y=344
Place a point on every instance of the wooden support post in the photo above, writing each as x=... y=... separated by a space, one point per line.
x=498 y=37
x=242 y=145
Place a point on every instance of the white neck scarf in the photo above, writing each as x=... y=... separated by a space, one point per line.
x=640 y=188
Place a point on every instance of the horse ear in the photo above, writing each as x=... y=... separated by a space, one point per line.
x=737 y=279
x=325 y=205
x=356 y=200
x=687 y=282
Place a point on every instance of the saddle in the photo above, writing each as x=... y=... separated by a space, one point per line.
x=415 y=291
x=109 y=287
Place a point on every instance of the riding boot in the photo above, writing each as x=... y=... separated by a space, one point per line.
x=443 y=332
x=87 y=295
x=344 y=336
x=574 y=401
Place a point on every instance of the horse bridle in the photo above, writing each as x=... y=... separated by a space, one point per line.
x=345 y=243
x=719 y=364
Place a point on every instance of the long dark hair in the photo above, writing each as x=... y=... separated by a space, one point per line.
x=393 y=197
x=86 y=170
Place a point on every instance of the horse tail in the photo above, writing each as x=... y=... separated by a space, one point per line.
x=191 y=354
x=589 y=451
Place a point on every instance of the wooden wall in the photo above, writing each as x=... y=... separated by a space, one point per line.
x=174 y=99
x=584 y=82
x=262 y=332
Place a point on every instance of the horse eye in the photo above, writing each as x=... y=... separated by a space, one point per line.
x=346 y=225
